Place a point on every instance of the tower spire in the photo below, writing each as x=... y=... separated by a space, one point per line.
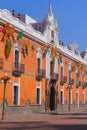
x=50 y=9
x=49 y=14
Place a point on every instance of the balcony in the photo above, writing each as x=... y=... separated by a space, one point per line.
x=54 y=76
x=40 y=74
x=18 y=69
x=63 y=79
x=84 y=85
x=78 y=83
x=71 y=81
x=1 y=63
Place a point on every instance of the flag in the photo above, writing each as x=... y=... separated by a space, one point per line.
x=53 y=60
x=26 y=50
x=61 y=59
x=45 y=53
x=73 y=68
x=7 y=49
x=20 y=35
x=82 y=65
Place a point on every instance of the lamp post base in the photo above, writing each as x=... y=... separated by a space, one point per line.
x=3 y=115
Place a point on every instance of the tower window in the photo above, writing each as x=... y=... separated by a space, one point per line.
x=52 y=36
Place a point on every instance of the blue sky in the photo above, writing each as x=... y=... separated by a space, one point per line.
x=71 y=16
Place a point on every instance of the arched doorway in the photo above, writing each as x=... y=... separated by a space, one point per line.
x=52 y=98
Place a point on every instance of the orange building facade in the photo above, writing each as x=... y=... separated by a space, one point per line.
x=40 y=67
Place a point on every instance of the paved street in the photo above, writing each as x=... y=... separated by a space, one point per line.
x=53 y=121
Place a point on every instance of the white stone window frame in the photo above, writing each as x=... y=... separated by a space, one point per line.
x=48 y=60
x=83 y=96
x=62 y=90
x=39 y=55
x=18 y=85
x=38 y=87
x=17 y=47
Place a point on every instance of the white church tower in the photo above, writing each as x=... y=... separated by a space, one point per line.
x=51 y=28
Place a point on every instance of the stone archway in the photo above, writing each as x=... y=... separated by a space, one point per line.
x=51 y=96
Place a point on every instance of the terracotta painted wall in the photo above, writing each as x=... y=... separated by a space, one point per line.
x=28 y=82
x=74 y=88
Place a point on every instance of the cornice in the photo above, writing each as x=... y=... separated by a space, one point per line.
x=6 y=16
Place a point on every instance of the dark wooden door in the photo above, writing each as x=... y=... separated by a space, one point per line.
x=52 y=98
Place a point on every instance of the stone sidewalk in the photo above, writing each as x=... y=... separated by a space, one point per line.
x=26 y=115
x=53 y=120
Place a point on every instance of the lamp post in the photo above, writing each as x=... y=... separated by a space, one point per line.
x=4 y=80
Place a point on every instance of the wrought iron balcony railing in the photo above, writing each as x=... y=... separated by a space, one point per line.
x=1 y=63
x=63 y=79
x=18 y=69
x=71 y=81
x=40 y=74
x=78 y=83
x=84 y=85
x=54 y=76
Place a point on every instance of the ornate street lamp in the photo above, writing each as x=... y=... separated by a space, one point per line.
x=5 y=79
